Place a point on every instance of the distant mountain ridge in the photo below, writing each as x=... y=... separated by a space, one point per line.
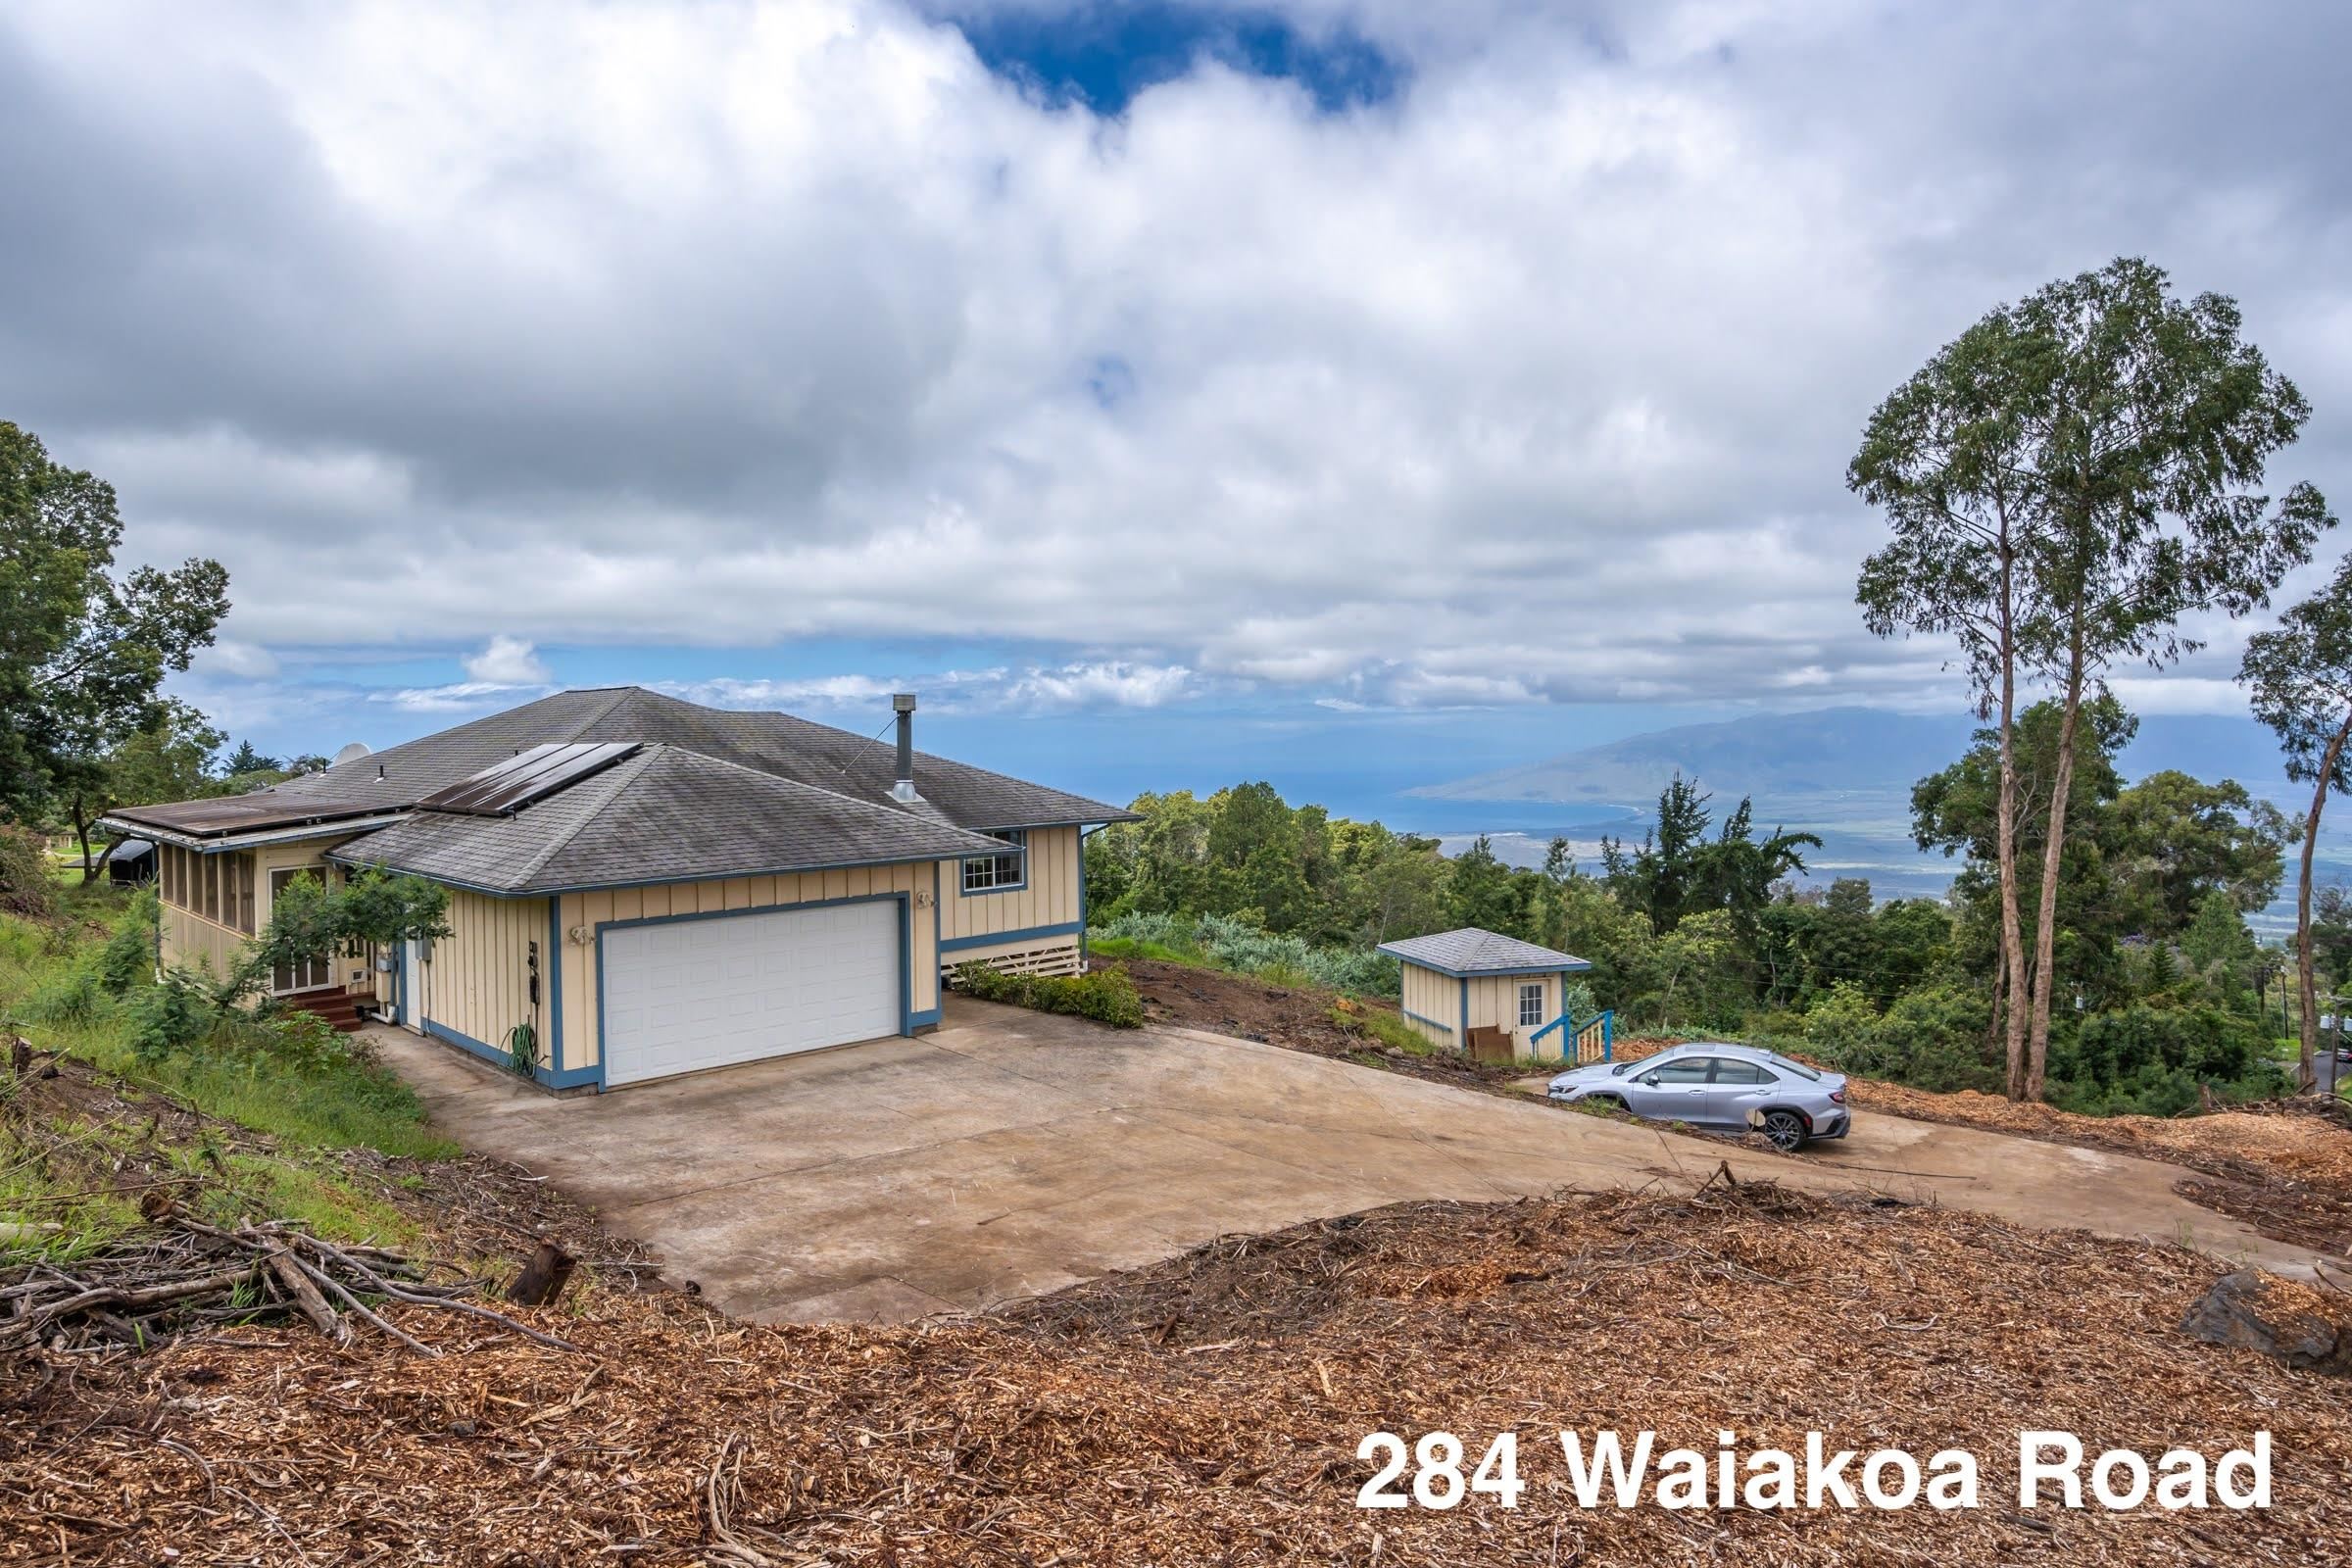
x=1830 y=752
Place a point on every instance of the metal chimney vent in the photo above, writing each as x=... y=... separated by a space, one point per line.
x=903 y=791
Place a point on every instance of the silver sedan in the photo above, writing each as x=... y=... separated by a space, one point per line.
x=1720 y=1087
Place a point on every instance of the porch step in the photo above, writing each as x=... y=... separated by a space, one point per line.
x=340 y=1008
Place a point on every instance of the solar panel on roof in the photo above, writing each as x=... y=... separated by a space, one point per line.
x=528 y=775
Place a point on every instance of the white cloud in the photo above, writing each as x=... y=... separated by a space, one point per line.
x=2179 y=694
x=1110 y=683
x=245 y=660
x=1536 y=384
x=1115 y=684
x=458 y=698
x=506 y=660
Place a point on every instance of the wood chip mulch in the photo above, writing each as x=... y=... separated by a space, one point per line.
x=1205 y=1410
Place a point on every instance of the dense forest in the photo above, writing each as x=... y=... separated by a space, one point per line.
x=1706 y=926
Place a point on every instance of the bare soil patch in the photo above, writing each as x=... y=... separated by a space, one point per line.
x=1190 y=996
x=1207 y=1409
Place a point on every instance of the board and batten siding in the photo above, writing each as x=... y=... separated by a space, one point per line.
x=1049 y=896
x=475 y=982
x=1433 y=1005
x=189 y=940
x=1494 y=1005
x=1034 y=927
x=581 y=913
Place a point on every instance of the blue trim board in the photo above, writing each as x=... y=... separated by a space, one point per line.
x=1464 y=1037
x=1577 y=967
x=997 y=938
x=1432 y=1022
x=542 y=1076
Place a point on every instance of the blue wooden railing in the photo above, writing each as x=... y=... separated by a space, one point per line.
x=1593 y=1040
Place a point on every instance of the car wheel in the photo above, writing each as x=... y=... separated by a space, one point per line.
x=1785 y=1129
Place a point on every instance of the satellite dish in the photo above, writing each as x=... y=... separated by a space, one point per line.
x=351 y=754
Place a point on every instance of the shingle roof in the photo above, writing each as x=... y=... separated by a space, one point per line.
x=667 y=814
x=1471 y=951
x=816 y=755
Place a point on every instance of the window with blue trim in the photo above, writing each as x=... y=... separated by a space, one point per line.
x=994 y=874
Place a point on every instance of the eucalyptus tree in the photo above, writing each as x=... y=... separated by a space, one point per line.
x=2066 y=480
x=1948 y=457
x=2300 y=680
x=2156 y=422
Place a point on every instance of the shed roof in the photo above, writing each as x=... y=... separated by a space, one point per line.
x=1471 y=951
x=665 y=815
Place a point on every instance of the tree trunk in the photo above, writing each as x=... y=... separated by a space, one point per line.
x=2011 y=988
x=543 y=1276
x=82 y=835
x=2306 y=985
x=2046 y=935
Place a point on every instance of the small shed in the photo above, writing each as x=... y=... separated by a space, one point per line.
x=130 y=861
x=1493 y=996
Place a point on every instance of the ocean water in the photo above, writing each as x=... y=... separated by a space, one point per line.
x=1864 y=833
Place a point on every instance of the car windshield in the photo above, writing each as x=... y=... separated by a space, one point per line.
x=1797 y=1068
x=1624 y=1067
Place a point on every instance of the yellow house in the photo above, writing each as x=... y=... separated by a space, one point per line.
x=641 y=886
x=1457 y=982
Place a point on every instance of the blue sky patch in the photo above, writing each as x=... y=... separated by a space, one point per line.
x=1102 y=55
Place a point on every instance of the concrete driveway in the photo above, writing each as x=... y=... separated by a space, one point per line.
x=1013 y=1152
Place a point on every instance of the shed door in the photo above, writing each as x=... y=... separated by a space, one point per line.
x=683 y=995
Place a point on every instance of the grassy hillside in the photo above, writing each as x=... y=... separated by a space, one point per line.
x=253 y=1121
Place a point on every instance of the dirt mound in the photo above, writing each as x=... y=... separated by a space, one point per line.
x=2284 y=1168
x=1190 y=996
x=1207 y=1409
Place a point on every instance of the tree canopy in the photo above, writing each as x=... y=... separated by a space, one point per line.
x=83 y=650
x=2299 y=678
x=2065 y=482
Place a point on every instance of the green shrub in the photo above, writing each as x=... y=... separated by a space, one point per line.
x=1931 y=1039
x=1106 y=996
x=74 y=997
x=1934 y=1039
x=170 y=1016
x=25 y=887
x=1241 y=944
x=2209 y=1043
x=1840 y=1025
x=128 y=955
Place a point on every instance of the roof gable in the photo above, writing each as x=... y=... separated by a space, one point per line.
x=1471 y=951
x=794 y=749
x=667 y=814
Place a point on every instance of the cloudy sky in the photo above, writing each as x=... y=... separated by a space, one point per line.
x=1434 y=385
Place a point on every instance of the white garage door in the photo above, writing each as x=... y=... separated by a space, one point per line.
x=682 y=994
